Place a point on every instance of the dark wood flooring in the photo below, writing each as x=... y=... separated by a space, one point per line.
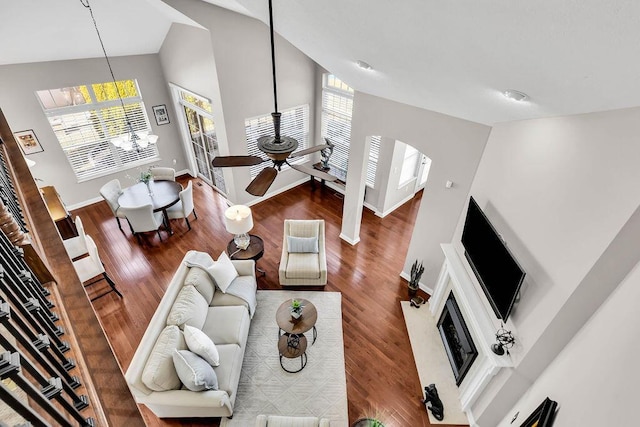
x=381 y=375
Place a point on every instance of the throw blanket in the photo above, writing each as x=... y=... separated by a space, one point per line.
x=204 y=261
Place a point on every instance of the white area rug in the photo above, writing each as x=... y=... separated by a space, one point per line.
x=432 y=362
x=320 y=389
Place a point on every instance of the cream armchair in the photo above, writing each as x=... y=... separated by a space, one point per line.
x=281 y=421
x=303 y=261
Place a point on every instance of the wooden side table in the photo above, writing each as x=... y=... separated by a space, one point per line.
x=254 y=251
x=59 y=213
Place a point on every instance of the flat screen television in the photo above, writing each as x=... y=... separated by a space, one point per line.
x=497 y=270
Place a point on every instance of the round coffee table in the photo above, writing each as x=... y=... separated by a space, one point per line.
x=290 y=326
x=254 y=251
x=293 y=346
x=292 y=342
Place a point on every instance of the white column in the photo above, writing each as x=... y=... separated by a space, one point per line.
x=354 y=192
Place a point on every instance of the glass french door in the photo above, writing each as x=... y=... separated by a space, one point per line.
x=202 y=134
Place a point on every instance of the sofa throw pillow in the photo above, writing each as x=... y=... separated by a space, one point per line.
x=199 y=343
x=159 y=373
x=194 y=372
x=201 y=280
x=223 y=271
x=302 y=244
x=189 y=308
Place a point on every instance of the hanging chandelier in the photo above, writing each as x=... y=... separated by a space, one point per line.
x=132 y=139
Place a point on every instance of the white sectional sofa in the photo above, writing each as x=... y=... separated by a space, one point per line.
x=192 y=298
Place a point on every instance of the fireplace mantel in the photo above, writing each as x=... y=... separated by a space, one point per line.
x=480 y=321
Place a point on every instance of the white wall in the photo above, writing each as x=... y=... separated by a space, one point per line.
x=396 y=193
x=187 y=60
x=595 y=378
x=241 y=49
x=563 y=194
x=20 y=105
x=455 y=147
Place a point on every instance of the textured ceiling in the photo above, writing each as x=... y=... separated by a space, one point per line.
x=454 y=57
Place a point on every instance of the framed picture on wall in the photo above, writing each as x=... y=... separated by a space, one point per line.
x=543 y=415
x=28 y=141
x=161 y=114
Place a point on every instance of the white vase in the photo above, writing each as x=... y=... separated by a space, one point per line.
x=296 y=314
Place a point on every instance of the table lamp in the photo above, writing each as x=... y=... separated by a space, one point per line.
x=238 y=221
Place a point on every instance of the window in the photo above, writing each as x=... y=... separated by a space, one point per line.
x=410 y=165
x=294 y=123
x=337 y=105
x=374 y=152
x=85 y=118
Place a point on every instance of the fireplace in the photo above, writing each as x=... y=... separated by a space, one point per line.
x=477 y=317
x=456 y=338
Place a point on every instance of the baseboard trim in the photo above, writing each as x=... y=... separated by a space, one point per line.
x=348 y=240
x=84 y=203
x=394 y=207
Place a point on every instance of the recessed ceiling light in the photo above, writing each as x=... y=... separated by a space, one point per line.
x=515 y=95
x=363 y=65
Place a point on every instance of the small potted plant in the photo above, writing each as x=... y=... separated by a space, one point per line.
x=368 y=422
x=370 y=419
x=414 y=282
x=296 y=309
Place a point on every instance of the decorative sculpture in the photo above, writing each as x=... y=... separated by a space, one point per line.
x=505 y=341
x=431 y=395
x=326 y=154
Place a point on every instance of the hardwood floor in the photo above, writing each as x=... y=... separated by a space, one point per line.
x=381 y=373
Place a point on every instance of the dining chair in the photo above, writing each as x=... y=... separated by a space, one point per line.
x=184 y=207
x=163 y=174
x=142 y=219
x=110 y=192
x=77 y=246
x=90 y=267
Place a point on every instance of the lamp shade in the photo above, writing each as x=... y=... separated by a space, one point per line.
x=238 y=219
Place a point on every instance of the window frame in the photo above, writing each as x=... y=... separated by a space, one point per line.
x=339 y=161
x=101 y=116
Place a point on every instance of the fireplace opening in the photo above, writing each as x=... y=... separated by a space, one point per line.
x=456 y=338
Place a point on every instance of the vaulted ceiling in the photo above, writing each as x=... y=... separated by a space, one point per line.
x=454 y=57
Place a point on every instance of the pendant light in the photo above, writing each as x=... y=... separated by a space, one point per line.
x=132 y=140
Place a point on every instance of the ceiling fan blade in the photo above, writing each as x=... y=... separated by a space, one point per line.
x=314 y=172
x=231 y=161
x=262 y=182
x=309 y=150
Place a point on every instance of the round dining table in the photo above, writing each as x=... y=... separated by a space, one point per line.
x=160 y=194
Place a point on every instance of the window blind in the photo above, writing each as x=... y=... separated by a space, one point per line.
x=294 y=123
x=337 y=106
x=374 y=152
x=84 y=132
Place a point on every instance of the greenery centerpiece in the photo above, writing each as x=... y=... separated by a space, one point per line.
x=414 y=282
x=296 y=308
x=146 y=177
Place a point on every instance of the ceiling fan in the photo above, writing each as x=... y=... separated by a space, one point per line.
x=279 y=149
